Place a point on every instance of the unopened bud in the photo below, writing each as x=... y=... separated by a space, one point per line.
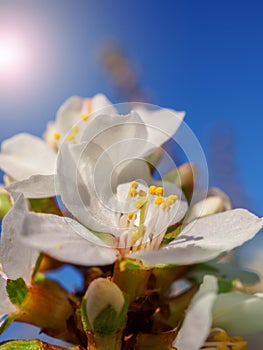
x=205 y=207
x=104 y=303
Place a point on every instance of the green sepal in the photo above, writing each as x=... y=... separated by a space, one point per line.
x=5 y=203
x=164 y=275
x=108 y=321
x=45 y=205
x=7 y=322
x=84 y=317
x=224 y=286
x=171 y=234
x=17 y=291
x=172 y=176
x=131 y=277
x=106 y=238
x=224 y=271
x=131 y=265
x=33 y=345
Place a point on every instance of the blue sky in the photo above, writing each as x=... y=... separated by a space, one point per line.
x=202 y=56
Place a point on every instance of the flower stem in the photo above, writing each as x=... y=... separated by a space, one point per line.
x=96 y=342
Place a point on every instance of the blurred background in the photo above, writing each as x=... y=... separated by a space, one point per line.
x=204 y=57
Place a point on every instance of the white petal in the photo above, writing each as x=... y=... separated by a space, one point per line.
x=100 y=104
x=65 y=239
x=85 y=184
x=206 y=238
x=6 y=307
x=175 y=254
x=198 y=319
x=238 y=313
x=134 y=170
x=124 y=137
x=37 y=186
x=221 y=232
x=25 y=155
x=161 y=124
x=17 y=260
x=68 y=115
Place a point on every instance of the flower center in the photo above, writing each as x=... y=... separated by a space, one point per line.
x=147 y=215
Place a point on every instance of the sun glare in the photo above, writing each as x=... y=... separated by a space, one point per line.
x=11 y=56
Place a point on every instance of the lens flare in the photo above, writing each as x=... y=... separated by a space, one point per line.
x=11 y=56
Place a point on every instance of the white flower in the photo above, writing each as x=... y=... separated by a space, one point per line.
x=236 y=313
x=90 y=187
x=31 y=161
x=17 y=260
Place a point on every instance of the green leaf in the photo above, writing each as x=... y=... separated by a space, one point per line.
x=5 y=203
x=6 y=323
x=33 y=345
x=17 y=291
x=224 y=271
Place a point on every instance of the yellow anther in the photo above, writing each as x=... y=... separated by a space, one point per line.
x=142 y=193
x=58 y=246
x=85 y=117
x=56 y=136
x=131 y=215
x=158 y=200
x=75 y=129
x=222 y=337
x=70 y=137
x=222 y=347
x=172 y=198
x=134 y=185
x=132 y=192
x=159 y=191
x=152 y=190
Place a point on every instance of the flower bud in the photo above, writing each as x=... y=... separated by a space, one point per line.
x=104 y=311
x=104 y=303
x=205 y=207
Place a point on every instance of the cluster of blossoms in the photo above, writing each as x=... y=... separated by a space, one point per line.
x=150 y=252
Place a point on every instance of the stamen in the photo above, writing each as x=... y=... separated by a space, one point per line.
x=145 y=224
x=131 y=215
x=159 y=200
x=75 y=129
x=159 y=191
x=152 y=190
x=85 y=117
x=140 y=203
x=134 y=185
x=132 y=192
x=56 y=136
x=142 y=193
x=70 y=137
